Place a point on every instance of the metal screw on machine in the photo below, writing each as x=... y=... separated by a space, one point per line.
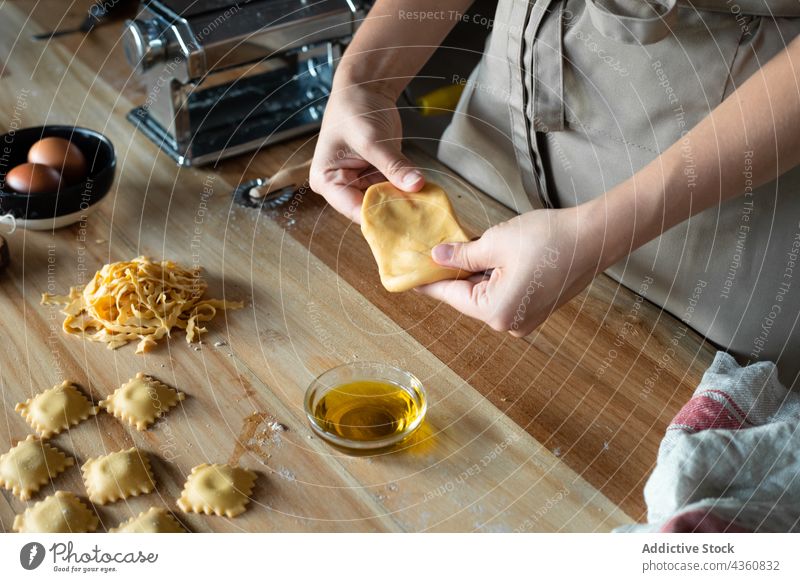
x=144 y=46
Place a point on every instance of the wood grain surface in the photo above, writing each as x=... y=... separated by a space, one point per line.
x=556 y=432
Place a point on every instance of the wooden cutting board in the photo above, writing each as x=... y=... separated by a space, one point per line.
x=555 y=432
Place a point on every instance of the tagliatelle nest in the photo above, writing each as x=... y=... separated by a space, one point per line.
x=139 y=300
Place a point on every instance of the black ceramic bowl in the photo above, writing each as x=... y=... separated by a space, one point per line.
x=71 y=203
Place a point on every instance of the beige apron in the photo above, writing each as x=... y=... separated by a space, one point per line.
x=573 y=97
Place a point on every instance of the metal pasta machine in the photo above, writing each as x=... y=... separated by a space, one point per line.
x=223 y=77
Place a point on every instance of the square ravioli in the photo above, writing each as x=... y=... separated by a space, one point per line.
x=56 y=409
x=31 y=464
x=118 y=476
x=61 y=512
x=154 y=520
x=217 y=490
x=141 y=400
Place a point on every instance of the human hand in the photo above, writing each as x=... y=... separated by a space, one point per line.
x=359 y=145
x=529 y=266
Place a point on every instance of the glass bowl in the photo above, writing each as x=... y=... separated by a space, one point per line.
x=365 y=406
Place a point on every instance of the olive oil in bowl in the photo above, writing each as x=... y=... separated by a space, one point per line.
x=365 y=406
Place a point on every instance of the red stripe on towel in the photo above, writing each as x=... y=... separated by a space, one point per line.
x=733 y=404
x=703 y=413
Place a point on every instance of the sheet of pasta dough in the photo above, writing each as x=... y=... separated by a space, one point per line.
x=402 y=228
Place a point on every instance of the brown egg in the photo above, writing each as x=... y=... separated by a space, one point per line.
x=62 y=155
x=33 y=179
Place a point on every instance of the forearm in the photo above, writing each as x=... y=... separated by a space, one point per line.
x=748 y=140
x=395 y=41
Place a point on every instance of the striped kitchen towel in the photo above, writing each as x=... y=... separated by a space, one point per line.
x=730 y=459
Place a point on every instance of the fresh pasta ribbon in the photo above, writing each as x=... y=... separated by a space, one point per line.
x=139 y=300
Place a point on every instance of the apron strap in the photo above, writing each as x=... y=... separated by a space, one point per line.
x=633 y=21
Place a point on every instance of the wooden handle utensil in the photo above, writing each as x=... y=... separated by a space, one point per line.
x=288 y=176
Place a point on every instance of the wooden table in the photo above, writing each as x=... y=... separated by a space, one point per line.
x=555 y=432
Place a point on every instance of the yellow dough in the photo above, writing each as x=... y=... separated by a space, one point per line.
x=154 y=520
x=31 y=464
x=141 y=400
x=61 y=512
x=402 y=228
x=118 y=476
x=56 y=409
x=217 y=489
